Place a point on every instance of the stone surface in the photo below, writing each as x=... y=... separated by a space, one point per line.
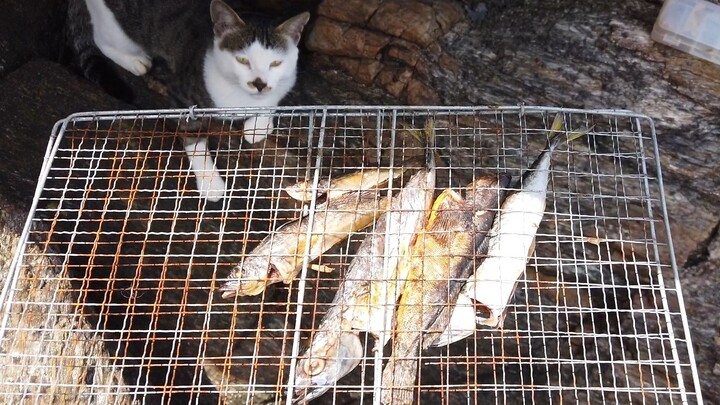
x=363 y=70
x=28 y=30
x=335 y=38
x=559 y=52
x=63 y=364
x=419 y=93
x=352 y=11
x=407 y=19
x=394 y=79
x=35 y=97
x=386 y=40
x=700 y=290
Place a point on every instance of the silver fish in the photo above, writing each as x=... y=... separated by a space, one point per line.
x=439 y=262
x=367 y=294
x=279 y=257
x=512 y=238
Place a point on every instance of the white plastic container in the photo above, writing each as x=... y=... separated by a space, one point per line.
x=693 y=26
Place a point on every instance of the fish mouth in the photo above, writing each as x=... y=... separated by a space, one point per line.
x=241 y=288
x=304 y=395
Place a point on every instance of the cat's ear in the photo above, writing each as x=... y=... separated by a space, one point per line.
x=293 y=27
x=224 y=18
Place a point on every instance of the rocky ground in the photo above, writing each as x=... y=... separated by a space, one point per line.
x=558 y=53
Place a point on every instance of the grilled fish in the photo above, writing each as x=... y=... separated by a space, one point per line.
x=366 y=179
x=512 y=238
x=366 y=297
x=440 y=261
x=279 y=257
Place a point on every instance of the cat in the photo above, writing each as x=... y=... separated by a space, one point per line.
x=211 y=59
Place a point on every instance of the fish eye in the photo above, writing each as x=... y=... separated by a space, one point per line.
x=275 y=63
x=314 y=367
x=243 y=60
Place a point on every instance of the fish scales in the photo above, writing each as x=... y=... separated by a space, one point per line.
x=366 y=297
x=440 y=261
x=279 y=257
x=364 y=302
x=512 y=239
x=365 y=179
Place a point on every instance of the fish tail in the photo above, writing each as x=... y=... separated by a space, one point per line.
x=558 y=127
x=398 y=381
x=430 y=150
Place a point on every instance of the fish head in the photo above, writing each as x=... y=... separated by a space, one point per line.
x=477 y=193
x=462 y=322
x=332 y=355
x=251 y=277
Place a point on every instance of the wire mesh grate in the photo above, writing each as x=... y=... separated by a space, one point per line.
x=113 y=296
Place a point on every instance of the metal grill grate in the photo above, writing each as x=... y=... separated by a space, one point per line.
x=119 y=249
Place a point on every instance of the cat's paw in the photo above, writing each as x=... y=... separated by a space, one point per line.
x=140 y=65
x=210 y=186
x=257 y=128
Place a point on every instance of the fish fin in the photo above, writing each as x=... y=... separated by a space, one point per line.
x=441 y=203
x=558 y=125
x=426 y=136
x=398 y=379
x=321 y=268
x=577 y=134
x=430 y=152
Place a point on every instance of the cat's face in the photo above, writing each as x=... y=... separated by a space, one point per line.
x=258 y=69
x=257 y=58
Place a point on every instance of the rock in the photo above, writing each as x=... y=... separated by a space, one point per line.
x=30 y=29
x=447 y=14
x=363 y=70
x=321 y=82
x=59 y=362
x=394 y=80
x=336 y=38
x=714 y=246
x=401 y=32
x=407 y=19
x=35 y=97
x=402 y=51
x=352 y=11
x=419 y=93
x=700 y=285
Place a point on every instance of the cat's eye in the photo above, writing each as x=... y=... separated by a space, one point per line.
x=275 y=63
x=243 y=60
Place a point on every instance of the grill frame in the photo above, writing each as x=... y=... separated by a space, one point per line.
x=645 y=127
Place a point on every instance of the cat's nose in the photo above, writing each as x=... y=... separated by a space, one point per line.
x=258 y=84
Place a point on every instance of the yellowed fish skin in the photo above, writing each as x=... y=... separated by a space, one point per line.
x=492 y=286
x=334 y=350
x=439 y=262
x=279 y=257
x=365 y=179
x=367 y=294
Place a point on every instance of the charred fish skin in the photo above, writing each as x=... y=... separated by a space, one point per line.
x=441 y=259
x=279 y=257
x=363 y=301
x=512 y=236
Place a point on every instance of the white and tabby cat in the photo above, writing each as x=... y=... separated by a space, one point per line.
x=212 y=59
